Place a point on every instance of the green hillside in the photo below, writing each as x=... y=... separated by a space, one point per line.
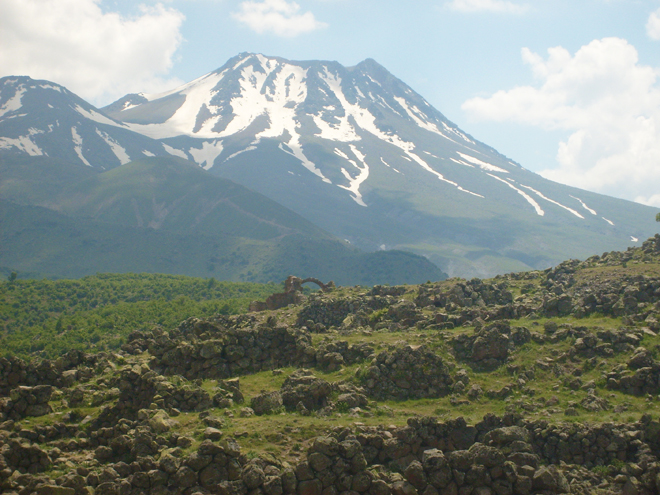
x=98 y=312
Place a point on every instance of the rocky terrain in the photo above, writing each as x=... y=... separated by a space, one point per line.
x=540 y=382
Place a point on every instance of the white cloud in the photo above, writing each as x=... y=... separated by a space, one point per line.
x=97 y=55
x=653 y=25
x=486 y=6
x=610 y=105
x=279 y=17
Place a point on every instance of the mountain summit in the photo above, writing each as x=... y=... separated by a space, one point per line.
x=358 y=152
x=354 y=150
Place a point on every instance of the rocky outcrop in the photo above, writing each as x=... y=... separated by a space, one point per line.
x=489 y=346
x=411 y=372
x=303 y=392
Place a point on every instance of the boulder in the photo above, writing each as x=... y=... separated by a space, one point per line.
x=266 y=403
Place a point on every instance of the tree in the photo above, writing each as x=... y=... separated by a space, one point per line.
x=13 y=275
x=657 y=217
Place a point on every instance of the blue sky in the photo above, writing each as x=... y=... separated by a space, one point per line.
x=569 y=89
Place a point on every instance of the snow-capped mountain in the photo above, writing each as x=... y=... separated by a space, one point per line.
x=353 y=149
x=357 y=151
x=41 y=118
x=296 y=103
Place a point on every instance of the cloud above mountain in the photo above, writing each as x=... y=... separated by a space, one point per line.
x=607 y=101
x=653 y=25
x=98 y=54
x=277 y=17
x=487 y=6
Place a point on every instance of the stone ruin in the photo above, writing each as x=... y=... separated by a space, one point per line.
x=292 y=294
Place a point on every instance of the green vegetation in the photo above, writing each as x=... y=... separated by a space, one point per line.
x=98 y=312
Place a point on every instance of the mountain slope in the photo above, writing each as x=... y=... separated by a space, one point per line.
x=166 y=215
x=175 y=195
x=359 y=153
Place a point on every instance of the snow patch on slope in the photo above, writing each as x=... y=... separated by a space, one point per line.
x=50 y=86
x=147 y=153
x=461 y=162
x=13 y=103
x=175 y=152
x=571 y=210
x=483 y=165
x=96 y=117
x=457 y=132
x=527 y=197
x=608 y=221
x=77 y=145
x=297 y=152
x=23 y=143
x=390 y=166
x=249 y=148
x=116 y=148
x=197 y=93
x=205 y=157
x=363 y=174
x=367 y=121
x=416 y=115
x=593 y=212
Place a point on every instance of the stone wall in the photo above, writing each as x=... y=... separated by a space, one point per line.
x=61 y=372
x=503 y=456
x=212 y=350
x=26 y=401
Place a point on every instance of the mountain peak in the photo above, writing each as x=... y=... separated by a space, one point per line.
x=354 y=149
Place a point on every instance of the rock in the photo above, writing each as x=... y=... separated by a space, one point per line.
x=460 y=459
x=253 y=476
x=641 y=359
x=411 y=372
x=486 y=456
x=491 y=343
x=319 y=461
x=185 y=477
x=161 y=422
x=475 y=392
x=380 y=487
x=310 y=487
x=266 y=403
x=551 y=479
x=246 y=412
x=197 y=461
x=69 y=377
x=213 y=434
x=169 y=463
x=351 y=400
x=403 y=488
x=415 y=475
x=303 y=387
x=507 y=435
